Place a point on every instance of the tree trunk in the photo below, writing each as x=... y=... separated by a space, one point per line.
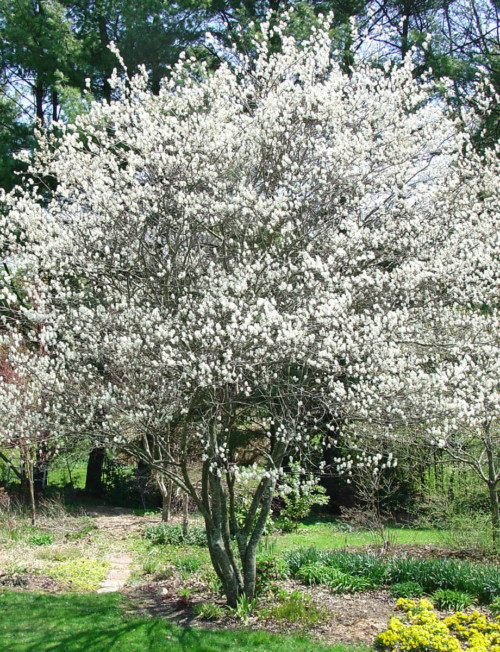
x=93 y=481
x=31 y=483
x=236 y=582
x=223 y=563
x=104 y=42
x=405 y=45
x=185 y=515
x=493 y=491
x=495 y=513
x=39 y=93
x=166 y=495
x=55 y=105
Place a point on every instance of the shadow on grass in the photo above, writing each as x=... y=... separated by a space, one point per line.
x=32 y=622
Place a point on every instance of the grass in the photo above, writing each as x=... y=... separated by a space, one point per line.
x=325 y=536
x=32 y=622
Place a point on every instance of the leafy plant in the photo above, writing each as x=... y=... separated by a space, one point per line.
x=448 y=599
x=295 y=608
x=185 y=599
x=337 y=580
x=301 y=557
x=150 y=564
x=266 y=547
x=40 y=539
x=270 y=568
x=244 y=607
x=208 y=610
x=480 y=580
x=172 y=534
x=145 y=512
x=372 y=568
x=408 y=589
x=317 y=573
x=299 y=498
x=495 y=607
x=343 y=572
x=344 y=583
x=187 y=566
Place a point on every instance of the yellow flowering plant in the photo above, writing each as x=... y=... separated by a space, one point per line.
x=421 y=630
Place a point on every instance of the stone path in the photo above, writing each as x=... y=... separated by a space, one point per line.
x=118 y=574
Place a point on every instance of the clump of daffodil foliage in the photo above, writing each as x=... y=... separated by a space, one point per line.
x=420 y=629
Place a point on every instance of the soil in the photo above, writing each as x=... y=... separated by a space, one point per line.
x=354 y=618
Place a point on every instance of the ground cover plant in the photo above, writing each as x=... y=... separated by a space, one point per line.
x=66 y=549
x=172 y=533
x=421 y=629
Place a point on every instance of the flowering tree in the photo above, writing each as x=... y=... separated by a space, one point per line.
x=229 y=267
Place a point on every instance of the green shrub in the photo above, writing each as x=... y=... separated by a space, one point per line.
x=244 y=608
x=154 y=564
x=185 y=599
x=364 y=570
x=208 y=610
x=171 y=534
x=432 y=574
x=40 y=539
x=450 y=600
x=299 y=498
x=345 y=583
x=479 y=580
x=337 y=580
x=495 y=607
x=407 y=590
x=367 y=565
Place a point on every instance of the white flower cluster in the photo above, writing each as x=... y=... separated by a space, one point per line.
x=270 y=243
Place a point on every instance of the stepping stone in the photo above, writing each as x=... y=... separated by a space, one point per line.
x=118 y=574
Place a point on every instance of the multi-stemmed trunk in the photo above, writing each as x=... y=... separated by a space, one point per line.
x=233 y=549
x=232 y=545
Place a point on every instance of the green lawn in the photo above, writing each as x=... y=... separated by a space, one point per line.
x=325 y=536
x=32 y=622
